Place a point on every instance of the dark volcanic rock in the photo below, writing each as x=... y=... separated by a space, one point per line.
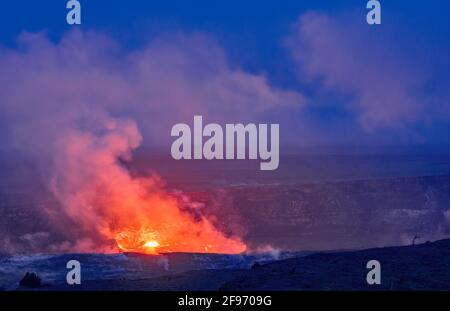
x=416 y=267
x=31 y=280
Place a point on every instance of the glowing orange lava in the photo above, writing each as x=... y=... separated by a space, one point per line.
x=149 y=247
x=143 y=218
x=151 y=244
x=112 y=206
x=180 y=234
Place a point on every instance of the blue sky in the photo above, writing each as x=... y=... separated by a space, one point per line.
x=254 y=36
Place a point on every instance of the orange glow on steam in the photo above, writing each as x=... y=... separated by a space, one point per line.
x=116 y=210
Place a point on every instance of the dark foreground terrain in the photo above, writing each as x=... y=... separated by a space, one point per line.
x=420 y=267
x=416 y=267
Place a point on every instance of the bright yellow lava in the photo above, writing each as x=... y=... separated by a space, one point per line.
x=151 y=244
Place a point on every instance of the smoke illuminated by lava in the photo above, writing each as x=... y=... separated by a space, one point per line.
x=115 y=210
x=55 y=99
